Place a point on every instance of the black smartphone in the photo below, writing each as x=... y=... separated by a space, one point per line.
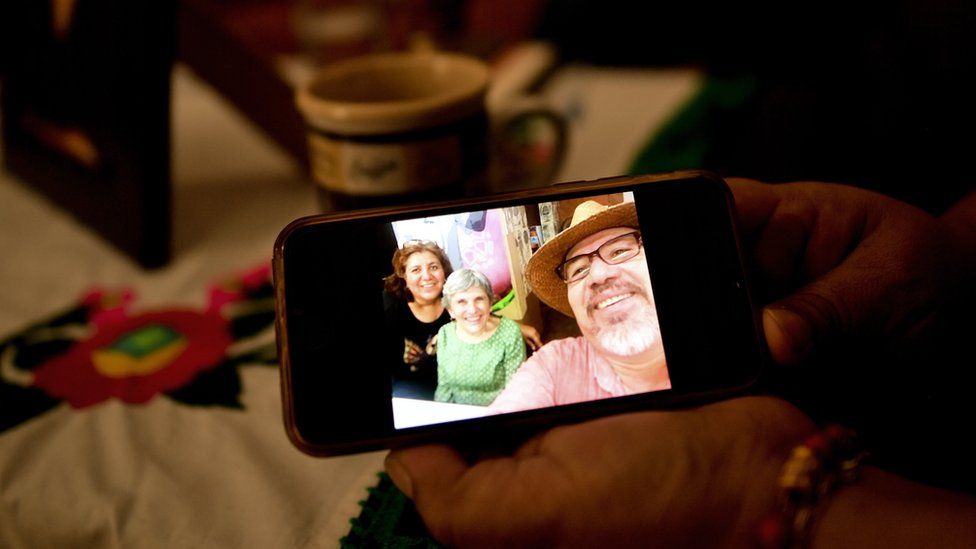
x=406 y=325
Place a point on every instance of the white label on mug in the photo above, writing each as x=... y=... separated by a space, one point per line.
x=376 y=169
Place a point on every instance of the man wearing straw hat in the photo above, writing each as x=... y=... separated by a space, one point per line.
x=594 y=271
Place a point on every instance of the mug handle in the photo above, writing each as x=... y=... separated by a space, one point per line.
x=528 y=144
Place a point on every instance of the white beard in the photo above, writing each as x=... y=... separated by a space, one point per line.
x=630 y=336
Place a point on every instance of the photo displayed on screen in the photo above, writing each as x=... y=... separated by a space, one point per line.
x=519 y=308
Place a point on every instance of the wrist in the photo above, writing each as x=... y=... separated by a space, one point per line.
x=885 y=510
x=759 y=465
x=760 y=496
x=815 y=470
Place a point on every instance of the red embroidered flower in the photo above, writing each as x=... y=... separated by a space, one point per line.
x=235 y=288
x=133 y=359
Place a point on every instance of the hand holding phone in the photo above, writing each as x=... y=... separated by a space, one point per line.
x=706 y=477
x=638 y=284
x=842 y=264
x=699 y=478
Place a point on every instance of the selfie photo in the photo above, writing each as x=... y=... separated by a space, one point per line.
x=518 y=308
x=505 y=313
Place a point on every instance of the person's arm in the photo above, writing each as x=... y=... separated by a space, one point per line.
x=530 y=335
x=445 y=367
x=530 y=387
x=884 y=510
x=514 y=353
x=694 y=478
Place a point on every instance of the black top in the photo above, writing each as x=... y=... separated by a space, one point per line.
x=402 y=324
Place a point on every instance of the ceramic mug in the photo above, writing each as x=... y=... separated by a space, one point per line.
x=413 y=126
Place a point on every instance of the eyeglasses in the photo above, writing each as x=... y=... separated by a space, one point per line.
x=613 y=251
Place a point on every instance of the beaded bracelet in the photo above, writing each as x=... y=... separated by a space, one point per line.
x=824 y=462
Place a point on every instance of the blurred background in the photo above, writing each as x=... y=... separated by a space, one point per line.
x=876 y=94
x=152 y=152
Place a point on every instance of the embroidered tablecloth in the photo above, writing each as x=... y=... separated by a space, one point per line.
x=142 y=408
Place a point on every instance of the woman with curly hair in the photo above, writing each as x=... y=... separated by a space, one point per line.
x=414 y=312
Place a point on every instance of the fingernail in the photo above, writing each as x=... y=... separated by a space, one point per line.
x=398 y=474
x=794 y=329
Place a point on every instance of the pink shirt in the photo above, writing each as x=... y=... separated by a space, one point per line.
x=563 y=371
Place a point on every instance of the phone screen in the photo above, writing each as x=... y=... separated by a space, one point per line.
x=471 y=322
x=400 y=326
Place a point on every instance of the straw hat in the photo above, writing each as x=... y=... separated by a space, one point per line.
x=589 y=217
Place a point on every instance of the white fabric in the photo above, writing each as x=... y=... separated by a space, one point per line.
x=163 y=473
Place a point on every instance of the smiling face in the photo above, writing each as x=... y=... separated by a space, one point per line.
x=471 y=309
x=424 y=276
x=613 y=304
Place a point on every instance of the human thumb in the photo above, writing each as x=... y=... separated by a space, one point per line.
x=789 y=335
x=870 y=300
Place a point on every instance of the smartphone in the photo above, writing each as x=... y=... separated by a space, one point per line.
x=406 y=325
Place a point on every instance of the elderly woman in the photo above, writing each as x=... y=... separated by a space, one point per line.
x=477 y=352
